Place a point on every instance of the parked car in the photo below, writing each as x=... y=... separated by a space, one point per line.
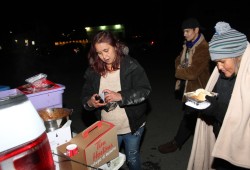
x=24 y=144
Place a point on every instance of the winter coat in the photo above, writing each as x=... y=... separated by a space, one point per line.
x=233 y=141
x=197 y=73
x=135 y=90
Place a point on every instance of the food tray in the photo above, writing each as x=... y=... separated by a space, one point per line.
x=190 y=94
x=195 y=103
x=200 y=105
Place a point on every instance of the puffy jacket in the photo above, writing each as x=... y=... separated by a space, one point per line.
x=135 y=90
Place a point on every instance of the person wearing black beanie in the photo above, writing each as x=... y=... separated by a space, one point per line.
x=192 y=71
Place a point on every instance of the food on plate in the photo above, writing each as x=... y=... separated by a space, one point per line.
x=199 y=94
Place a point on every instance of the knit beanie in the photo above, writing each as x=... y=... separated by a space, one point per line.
x=226 y=42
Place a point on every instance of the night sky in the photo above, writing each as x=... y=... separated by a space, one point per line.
x=161 y=18
x=158 y=19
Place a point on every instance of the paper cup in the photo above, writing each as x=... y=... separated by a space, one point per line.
x=71 y=150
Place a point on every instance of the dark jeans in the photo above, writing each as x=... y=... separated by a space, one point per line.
x=186 y=128
x=132 y=148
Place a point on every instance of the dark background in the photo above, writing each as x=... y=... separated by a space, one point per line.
x=159 y=20
x=155 y=19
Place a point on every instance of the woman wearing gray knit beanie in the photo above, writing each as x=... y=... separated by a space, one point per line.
x=222 y=139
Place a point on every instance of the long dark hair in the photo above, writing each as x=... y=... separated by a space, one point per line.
x=95 y=62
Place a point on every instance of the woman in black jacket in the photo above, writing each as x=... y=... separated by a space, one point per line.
x=123 y=84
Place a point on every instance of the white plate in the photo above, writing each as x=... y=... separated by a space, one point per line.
x=200 y=106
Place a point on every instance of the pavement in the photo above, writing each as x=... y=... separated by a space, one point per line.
x=164 y=114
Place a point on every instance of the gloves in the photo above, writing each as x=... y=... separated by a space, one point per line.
x=210 y=111
x=212 y=99
x=190 y=110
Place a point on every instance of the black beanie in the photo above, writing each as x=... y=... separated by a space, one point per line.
x=190 y=23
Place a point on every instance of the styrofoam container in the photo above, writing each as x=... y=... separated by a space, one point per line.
x=59 y=137
x=45 y=99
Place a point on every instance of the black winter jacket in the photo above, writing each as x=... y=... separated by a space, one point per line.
x=135 y=90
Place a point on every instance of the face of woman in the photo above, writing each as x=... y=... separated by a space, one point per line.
x=106 y=52
x=228 y=66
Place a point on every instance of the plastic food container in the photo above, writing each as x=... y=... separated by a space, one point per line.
x=45 y=99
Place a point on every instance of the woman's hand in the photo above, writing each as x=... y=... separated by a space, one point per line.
x=111 y=96
x=95 y=102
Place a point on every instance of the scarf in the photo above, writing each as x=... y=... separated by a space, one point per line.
x=190 y=44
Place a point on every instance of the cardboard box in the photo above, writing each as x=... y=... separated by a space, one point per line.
x=96 y=146
x=44 y=99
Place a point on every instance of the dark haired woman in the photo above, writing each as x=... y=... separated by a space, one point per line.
x=126 y=86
